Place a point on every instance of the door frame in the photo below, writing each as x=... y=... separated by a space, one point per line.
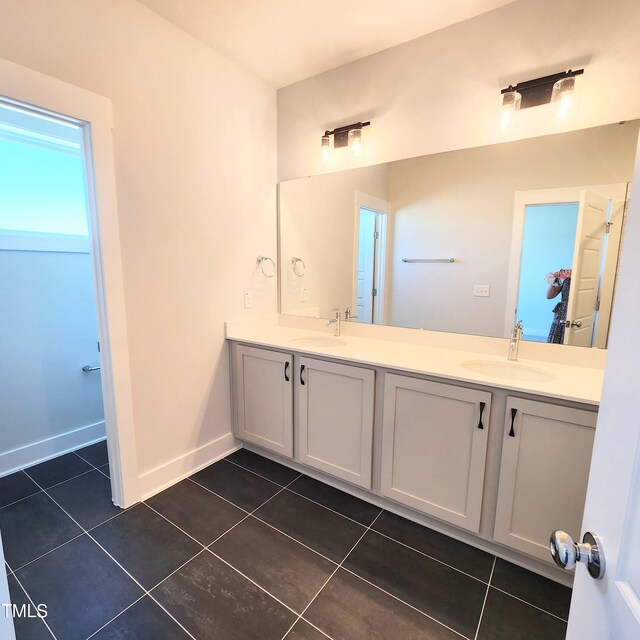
x=41 y=93
x=382 y=208
x=616 y=192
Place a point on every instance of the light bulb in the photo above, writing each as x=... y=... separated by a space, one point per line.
x=326 y=149
x=355 y=141
x=562 y=94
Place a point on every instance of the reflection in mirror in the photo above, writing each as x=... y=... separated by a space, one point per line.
x=467 y=241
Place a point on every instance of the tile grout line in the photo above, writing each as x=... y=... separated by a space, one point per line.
x=411 y=606
x=553 y=615
x=26 y=564
x=324 y=633
x=248 y=514
x=91 y=463
x=252 y=513
x=34 y=605
x=329 y=508
x=218 y=495
x=145 y=591
x=84 y=531
x=333 y=573
x=347 y=518
x=255 y=473
x=173 y=524
x=426 y=555
x=21 y=499
x=302 y=544
x=253 y=582
x=486 y=595
x=106 y=624
x=422 y=553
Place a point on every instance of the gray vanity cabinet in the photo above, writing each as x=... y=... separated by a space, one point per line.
x=546 y=454
x=263 y=395
x=434 y=445
x=334 y=419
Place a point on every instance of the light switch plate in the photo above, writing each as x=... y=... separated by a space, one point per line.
x=481 y=290
x=248 y=300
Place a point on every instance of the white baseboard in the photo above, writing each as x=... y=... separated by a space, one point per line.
x=179 y=468
x=43 y=450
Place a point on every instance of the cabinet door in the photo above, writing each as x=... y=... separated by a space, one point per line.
x=434 y=444
x=335 y=419
x=264 y=398
x=546 y=454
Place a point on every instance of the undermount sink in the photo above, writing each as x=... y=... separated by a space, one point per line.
x=507 y=370
x=319 y=341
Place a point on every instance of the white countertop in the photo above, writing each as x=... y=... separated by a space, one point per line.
x=568 y=382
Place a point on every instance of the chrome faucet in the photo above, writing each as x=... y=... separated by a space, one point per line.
x=335 y=322
x=347 y=314
x=514 y=343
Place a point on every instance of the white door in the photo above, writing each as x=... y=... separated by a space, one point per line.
x=587 y=261
x=366 y=265
x=264 y=398
x=610 y=608
x=334 y=429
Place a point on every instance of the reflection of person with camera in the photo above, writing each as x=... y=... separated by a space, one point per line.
x=559 y=284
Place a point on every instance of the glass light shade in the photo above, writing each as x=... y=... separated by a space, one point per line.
x=563 y=89
x=511 y=101
x=355 y=140
x=326 y=148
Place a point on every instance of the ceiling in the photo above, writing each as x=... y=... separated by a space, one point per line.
x=284 y=41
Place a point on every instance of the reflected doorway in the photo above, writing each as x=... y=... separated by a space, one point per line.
x=564 y=261
x=369 y=294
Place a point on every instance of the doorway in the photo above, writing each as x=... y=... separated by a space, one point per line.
x=564 y=260
x=28 y=91
x=370 y=263
x=49 y=361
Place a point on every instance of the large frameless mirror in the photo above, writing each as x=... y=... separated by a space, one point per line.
x=467 y=241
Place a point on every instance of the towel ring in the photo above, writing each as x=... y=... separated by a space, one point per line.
x=295 y=262
x=272 y=270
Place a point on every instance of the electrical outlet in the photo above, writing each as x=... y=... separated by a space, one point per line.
x=481 y=290
x=248 y=300
x=303 y=294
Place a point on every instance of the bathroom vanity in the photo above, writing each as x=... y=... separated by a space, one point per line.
x=435 y=262
x=490 y=451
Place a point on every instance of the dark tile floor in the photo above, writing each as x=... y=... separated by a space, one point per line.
x=248 y=549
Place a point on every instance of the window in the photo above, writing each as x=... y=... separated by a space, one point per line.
x=43 y=203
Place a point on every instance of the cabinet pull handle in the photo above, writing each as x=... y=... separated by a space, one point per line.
x=512 y=433
x=286 y=370
x=302 y=382
x=482 y=406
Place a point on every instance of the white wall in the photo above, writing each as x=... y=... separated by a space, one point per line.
x=442 y=91
x=49 y=404
x=461 y=204
x=317 y=224
x=195 y=167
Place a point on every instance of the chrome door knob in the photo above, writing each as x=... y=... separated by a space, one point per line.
x=566 y=553
x=576 y=323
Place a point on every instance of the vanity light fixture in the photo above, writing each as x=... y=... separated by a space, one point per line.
x=348 y=135
x=532 y=93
